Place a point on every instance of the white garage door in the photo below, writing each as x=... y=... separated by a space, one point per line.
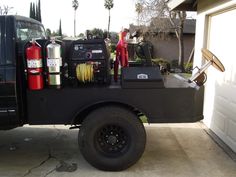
x=220 y=95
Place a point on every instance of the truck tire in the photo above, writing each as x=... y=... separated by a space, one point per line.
x=112 y=138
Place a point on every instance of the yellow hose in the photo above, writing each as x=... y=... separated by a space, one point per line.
x=84 y=72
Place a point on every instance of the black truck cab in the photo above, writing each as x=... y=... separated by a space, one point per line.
x=14 y=32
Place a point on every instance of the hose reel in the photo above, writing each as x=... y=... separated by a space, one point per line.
x=85 y=72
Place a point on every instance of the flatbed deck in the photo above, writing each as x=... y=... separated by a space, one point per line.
x=170 y=81
x=176 y=102
x=177 y=81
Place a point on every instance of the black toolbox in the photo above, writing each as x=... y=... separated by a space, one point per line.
x=141 y=77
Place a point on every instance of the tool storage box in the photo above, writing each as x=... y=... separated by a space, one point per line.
x=141 y=77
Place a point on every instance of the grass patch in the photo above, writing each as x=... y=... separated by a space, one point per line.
x=143 y=119
x=185 y=75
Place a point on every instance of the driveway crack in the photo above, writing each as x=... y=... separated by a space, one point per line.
x=50 y=156
x=48 y=173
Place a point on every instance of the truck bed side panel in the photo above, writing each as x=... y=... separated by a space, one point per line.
x=169 y=105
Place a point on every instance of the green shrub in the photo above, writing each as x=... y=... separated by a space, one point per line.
x=158 y=61
x=188 y=67
x=174 y=64
x=113 y=48
x=138 y=60
x=113 y=55
x=144 y=119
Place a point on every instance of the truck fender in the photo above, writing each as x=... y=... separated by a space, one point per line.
x=81 y=114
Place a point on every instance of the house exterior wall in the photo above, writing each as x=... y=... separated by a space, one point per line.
x=214 y=31
x=167 y=47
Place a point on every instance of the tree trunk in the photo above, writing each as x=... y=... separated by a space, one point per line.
x=75 y=24
x=181 y=48
x=109 y=20
x=138 y=19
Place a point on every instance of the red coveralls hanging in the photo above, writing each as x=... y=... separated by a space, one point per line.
x=121 y=53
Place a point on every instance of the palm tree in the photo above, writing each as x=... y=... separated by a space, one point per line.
x=109 y=5
x=60 y=29
x=75 y=5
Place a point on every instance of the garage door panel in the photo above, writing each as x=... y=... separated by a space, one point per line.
x=219 y=120
x=234 y=76
x=225 y=108
x=225 y=101
x=232 y=130
x=219 y=132
x=225 y=93
x=221 y=41
x=227 y=139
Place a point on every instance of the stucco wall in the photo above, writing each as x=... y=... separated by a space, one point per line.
x=167 y=48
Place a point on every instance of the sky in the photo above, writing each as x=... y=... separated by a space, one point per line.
x=90 y=14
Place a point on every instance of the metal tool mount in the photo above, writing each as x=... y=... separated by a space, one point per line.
x=200 y=77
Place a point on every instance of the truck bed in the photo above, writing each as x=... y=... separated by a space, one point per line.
x=178 y=101
x=177 y=81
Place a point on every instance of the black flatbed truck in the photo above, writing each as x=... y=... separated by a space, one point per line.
x=111 y=136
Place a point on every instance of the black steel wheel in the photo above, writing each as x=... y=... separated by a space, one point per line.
x=112 y=138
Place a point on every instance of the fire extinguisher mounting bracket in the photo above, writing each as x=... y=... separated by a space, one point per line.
x=33 y=41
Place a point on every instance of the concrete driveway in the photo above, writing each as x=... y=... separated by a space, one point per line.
x=178 y=150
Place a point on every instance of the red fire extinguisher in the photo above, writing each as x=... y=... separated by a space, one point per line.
x=34 y=66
